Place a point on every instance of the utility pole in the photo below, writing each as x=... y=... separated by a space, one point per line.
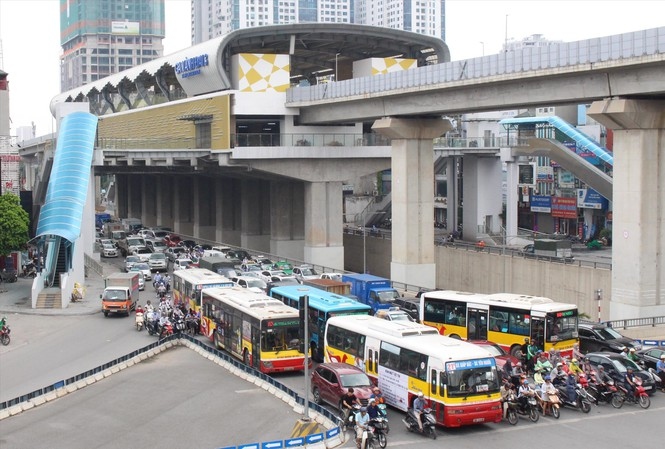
x=599 y=298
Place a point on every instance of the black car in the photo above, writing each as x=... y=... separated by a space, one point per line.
x=650 y=356
x=238 y=254
x=616 y=366
x=596 y=337
x=410 y=306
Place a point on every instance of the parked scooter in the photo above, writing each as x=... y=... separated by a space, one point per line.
x=428 y=420
x=639 y=396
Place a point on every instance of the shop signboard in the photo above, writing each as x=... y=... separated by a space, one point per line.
x=590 y=199
x=541 y=203
x=564 y=207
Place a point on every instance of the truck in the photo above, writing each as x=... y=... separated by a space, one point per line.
x=375 y=291
x=121 y=293
x=113 y=230
x=101 y=218
x=220 y=265
x=337 y=287
x=132 y=225
x=127 y=244
x=561 y=249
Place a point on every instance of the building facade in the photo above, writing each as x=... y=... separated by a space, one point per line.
x=213 y=18
x=103 y=37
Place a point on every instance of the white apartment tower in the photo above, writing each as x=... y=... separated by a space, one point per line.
x=213 y=18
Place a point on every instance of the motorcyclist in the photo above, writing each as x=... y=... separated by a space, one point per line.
x=571 y=383
x=373 y=409
x=149 y=307
x=632 y=355
x=3 y=323
x=629 y=381
x=543 y=365
x=558 y=375
x=660 y=370
x=507 y=394
x=574 y=367
x=586 y=366
x=139 y=309
x=348 y=401
x=524 y=392
x=362 y=420
x=546 y=390
x=419 y=405
x=378 y=396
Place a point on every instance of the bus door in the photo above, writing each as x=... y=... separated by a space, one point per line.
x=256 y=346
x=538 y=331
x=372 y=346
x=476 y=324
x=227 y=325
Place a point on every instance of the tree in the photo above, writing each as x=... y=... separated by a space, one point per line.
x=13 y=224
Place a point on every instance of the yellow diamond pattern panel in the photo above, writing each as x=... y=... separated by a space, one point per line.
x=263 y=72
x=382 y=66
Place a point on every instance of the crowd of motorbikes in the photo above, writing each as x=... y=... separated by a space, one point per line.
x=566 y=384
x=165 y=319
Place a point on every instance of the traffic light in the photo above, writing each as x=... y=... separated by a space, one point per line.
x=303 y=302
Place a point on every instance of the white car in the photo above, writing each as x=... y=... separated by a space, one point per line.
x=305 y=272
x=109 y=250
x=181 y=264
x=254 y=284
x=393 y=314
x=142 y=252
x=332 y=276
x=268 y=275
x=157 y=262
x=130 y=261
x=156 y=245
x=141 y=280
x=143 y=268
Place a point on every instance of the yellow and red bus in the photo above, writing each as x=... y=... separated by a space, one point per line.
x=261 y=331
x=188 y=285
x=503 y=318
x=459 y=379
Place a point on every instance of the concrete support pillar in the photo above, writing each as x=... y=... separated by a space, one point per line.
x=638 y=227
x=323 y=224
x=482 y=196
x=227 y=211
x=255 y=210
x=121 y=196
x=204 y=209
x=512 y=195
x=183 y=206
x=134 y=208
x=452 y=183
x=164 y=201
x=412 y=197
x=287 y=219
x=148 y=200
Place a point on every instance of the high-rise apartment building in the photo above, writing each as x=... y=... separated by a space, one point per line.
x=213 y=18
x=102 y=37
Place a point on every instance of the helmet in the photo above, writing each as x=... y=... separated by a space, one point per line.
x=371 y=401
x=420 y=394
x=526 y=382
x=559 y=364
x=363 y=409
x=547 y=377
x=573 y=361
x=662 y=357
x=629 y=369
x=632 y=349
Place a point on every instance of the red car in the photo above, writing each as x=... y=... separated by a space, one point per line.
x=330 y=381
x=172 y=240
x=500 y=355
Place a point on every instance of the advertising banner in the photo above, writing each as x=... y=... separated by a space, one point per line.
x=541 y=203
x=564 y=207
x=590 y=199
x=526 y=174
x=127 y=28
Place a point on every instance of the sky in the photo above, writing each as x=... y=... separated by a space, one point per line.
x=31 y=48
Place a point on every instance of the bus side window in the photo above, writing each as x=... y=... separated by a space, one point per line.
x=361 y=346
x=433 y=384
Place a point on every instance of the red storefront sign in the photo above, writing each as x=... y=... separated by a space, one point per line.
x=564 y=207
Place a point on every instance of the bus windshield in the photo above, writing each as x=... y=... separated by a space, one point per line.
x=281 y=336
x=562 y=326
x=469 y=377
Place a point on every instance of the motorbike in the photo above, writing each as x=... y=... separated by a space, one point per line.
x=369 y=440
x=349 y=422
x=29 y=271
x=166 y=330
x=428 y=420
x=8 y=276
x=607 y=393
x=639 y=396
x=582 y=402
x=192 y=324
x=380 y=430
x=151 y=323
x=659 y=382
x=179 y=325
x=4 y=335
x=140 y=321
x=517 y=407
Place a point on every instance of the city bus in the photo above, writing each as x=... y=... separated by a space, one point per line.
x=322 y=306
x=188 y=284
x=507 y=319
x=257 y=329
x=459 y=379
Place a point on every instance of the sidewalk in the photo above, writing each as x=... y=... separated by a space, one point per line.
x=15 y=298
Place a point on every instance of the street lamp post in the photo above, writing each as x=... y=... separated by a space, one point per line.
x=483 y=44
x=336 y=55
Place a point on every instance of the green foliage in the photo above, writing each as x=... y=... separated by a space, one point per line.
x=607 y=233
x=13 y=224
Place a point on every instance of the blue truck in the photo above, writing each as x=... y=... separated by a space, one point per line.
x=376 y=292
x=101 y=218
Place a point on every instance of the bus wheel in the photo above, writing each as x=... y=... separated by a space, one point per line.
x=456 y=337
x=516 y=351
x=216 y=340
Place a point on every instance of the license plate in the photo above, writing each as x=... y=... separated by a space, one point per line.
x=648 y=388
x=479 y=420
